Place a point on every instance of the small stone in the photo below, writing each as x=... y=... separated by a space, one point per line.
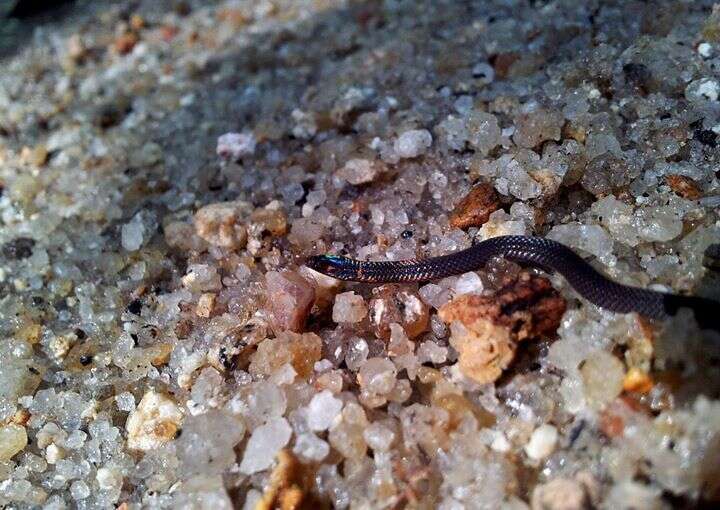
x=431 y=352
x=360 y=171
x=19 y=248
x=125 y=401
x=592 y=239
x=605 y=174
x=181 y=235
x=221 y=224
x=301 y=351
x=207 y=442
x=528 y=306
x=377 y=376
x=535 y=126
x=357 y=353
x=234 y=146
x=154 y=422
x=469 y=283
x=125 y=43
x=305 y=124
x=705 y=50
x=483 y=73
x=304 y=232
x=560 y=494
x=79 y=490
x=270 y=220
x=205 y=305
x=413 y=143
x=290 y=298
x=704 y=89
x=322 y=411
x=264 y=444
x=475 y=209
x=684 y=186
x=311 y=447
x=378 y=437
x=542 y=442
x=637 y=380
x=13 y=439
x=349 y=308
x=502 y=63
x=602 y=375
x=484 y=132
x=108 y=479
x=201 y=278
x=392 y=304
x=347 y=435
x=132 y=235
x=485 y=329
x=484 y=351
x=37 y=156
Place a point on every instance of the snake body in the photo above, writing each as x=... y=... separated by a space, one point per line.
x=546 y=254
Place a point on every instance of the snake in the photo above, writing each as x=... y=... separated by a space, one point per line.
x=545 y=254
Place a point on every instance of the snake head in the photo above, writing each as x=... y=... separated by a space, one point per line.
x=332 y=265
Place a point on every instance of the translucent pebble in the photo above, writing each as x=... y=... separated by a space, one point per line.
x=463 y=104
x=592 y=239
x=704 y=89
x=201 y=278
x=359 y=171
x=659 y=224
x=265 y=401
x=500 y=223
x=600 y=143
x=483 y=73
x=322 y=411
x=236 y=145
x=357 y=353
x=602 y=376
x=305 y=125
x=705 y=50
x=514 y=180
x=13 y=439
x=316 y=198
x=108 y=479
x=347 y=436
x=378 y=436
x=154 y=422
x=469 y=283
x=431 y=352
x=132 y=235
x=207 y=442
x=453 y=132
x=537 y=125
x=290 y=298
x=264 y=444
x=79 y=490
x=311 y=447
x=629 y=495
x=377 y=376
x=433 y=295
x=208 y=382
x=413 y=143
x=292 y=192
x=349 y=307
x=76 y=439
x=542 y=442
x=483 y=131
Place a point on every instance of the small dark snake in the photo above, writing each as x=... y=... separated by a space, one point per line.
x=545 y=254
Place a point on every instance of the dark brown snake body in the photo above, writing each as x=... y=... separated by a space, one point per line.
x=548 y=255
